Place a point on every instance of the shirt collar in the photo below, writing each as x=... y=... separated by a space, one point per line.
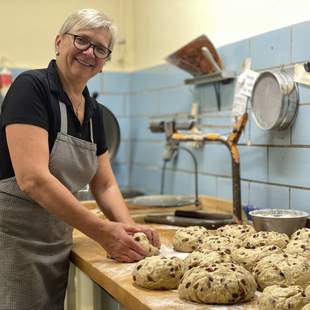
x=57 y=89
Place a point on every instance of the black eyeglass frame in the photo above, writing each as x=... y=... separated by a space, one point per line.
x=90 y=44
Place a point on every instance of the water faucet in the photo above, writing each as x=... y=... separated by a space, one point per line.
x=172 y=148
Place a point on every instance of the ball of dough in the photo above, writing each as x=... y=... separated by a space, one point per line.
x=219 y=243
x=236 y=231
x=262 y=238
x=301 y=234
x=187 y=239
x=307 y=292
x=282 y=269
x=249 y=257
x=205 y=258
x=224 y=283
x=158 y=272
x=278 y=297
x=145 y=243
x=299 y=247
x=306 y=307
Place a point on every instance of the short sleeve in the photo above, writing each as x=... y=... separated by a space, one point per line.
x=25 y=103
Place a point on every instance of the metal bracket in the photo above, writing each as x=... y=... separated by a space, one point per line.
x=216 y=78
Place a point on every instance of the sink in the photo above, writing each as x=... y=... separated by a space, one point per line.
x=162 y=201
x=84 y=195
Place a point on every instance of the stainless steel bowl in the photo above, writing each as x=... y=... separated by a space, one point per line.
x=281 y=220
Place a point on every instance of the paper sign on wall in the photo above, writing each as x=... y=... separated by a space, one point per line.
x=243 y=91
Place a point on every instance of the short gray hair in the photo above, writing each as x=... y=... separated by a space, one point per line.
x=89 y=19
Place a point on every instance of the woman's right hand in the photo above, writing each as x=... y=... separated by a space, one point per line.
x=117 y=240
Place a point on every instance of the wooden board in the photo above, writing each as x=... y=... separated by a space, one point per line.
x=116 y=278
x=191 y=59
x=211 y=204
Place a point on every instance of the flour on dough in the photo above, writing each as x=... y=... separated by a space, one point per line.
x=158 y=272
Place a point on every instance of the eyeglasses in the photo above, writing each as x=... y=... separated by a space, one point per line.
x=83 y=44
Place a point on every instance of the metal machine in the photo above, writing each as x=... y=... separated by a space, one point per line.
x=174 y=137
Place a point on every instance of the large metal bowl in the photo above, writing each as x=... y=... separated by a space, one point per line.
x=280 y=220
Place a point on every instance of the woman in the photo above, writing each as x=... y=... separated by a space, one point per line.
x=51 y=146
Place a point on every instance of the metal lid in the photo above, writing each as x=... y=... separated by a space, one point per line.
x=274 y=100
x=112 y=131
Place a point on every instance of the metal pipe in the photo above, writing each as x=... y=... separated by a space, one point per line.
x=197 y=202
x=163 y=170
x=162 y=181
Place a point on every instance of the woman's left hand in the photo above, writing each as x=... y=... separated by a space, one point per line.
x=151 y=234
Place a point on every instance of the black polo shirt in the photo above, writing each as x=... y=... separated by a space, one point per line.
x=33 y=99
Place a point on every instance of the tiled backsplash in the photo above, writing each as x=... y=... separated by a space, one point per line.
x=275 y=167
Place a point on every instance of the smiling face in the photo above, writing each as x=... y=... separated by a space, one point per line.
x=79 y=65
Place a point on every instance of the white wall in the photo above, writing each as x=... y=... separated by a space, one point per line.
x=162 y=26
x=149 y=29
x=29 y=27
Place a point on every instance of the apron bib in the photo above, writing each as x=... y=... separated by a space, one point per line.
x=34 y=244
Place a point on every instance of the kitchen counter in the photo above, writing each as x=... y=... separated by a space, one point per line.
x=116 y=277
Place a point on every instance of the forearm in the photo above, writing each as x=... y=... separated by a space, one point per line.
x=112 y=204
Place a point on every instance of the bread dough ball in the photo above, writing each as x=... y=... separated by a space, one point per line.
x=307 y=292
x=158 y=272
x=205 y=258
x=301 y=234
x=236 y=231
x=187 y=239
x=223 y=283
x=249 y=257
x=282 y=269
x=219 y=243
x=262 y=238
x=145 y=243
x=278 y=297
x=306 y=307
x=299 y=247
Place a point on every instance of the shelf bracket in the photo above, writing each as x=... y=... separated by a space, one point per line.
x=216 y=78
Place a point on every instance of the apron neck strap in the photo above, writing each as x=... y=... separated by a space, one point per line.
x=63 y=118
x=91 y=130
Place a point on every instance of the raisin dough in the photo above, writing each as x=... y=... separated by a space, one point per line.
x=158 y=272
x=262 y=238
x=236 y=231
x=145 y=243
x=205 y=258
x=219 y=243
x=249 y=257
x=282 y=298
x=301 y=234
x=307 y=292
x=299 y=247
x=187 y=239
x=224 y=283
x=282 y=269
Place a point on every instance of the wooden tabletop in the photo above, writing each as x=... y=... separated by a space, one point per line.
x=116 y=277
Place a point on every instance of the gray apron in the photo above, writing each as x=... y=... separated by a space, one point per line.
x=34 y=244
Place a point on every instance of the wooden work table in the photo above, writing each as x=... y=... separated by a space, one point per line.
x=116 y=277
